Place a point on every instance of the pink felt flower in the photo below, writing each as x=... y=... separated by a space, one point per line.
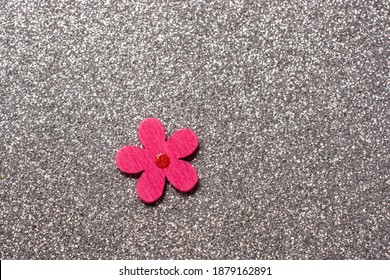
x=159 y=159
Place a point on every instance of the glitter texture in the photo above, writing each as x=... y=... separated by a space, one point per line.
x=290 y=102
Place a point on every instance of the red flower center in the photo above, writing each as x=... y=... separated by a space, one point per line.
x=162 y=160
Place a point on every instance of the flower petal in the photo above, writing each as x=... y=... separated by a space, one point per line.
x=182 y=143
x=151 y=134
x=150 y=187
x=131 y=159
x=182 y=175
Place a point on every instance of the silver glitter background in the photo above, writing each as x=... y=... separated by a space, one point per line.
x=290 y=102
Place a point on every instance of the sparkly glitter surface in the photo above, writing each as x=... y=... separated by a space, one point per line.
x=290 y=102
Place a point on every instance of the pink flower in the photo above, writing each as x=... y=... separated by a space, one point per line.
x=159 y=159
